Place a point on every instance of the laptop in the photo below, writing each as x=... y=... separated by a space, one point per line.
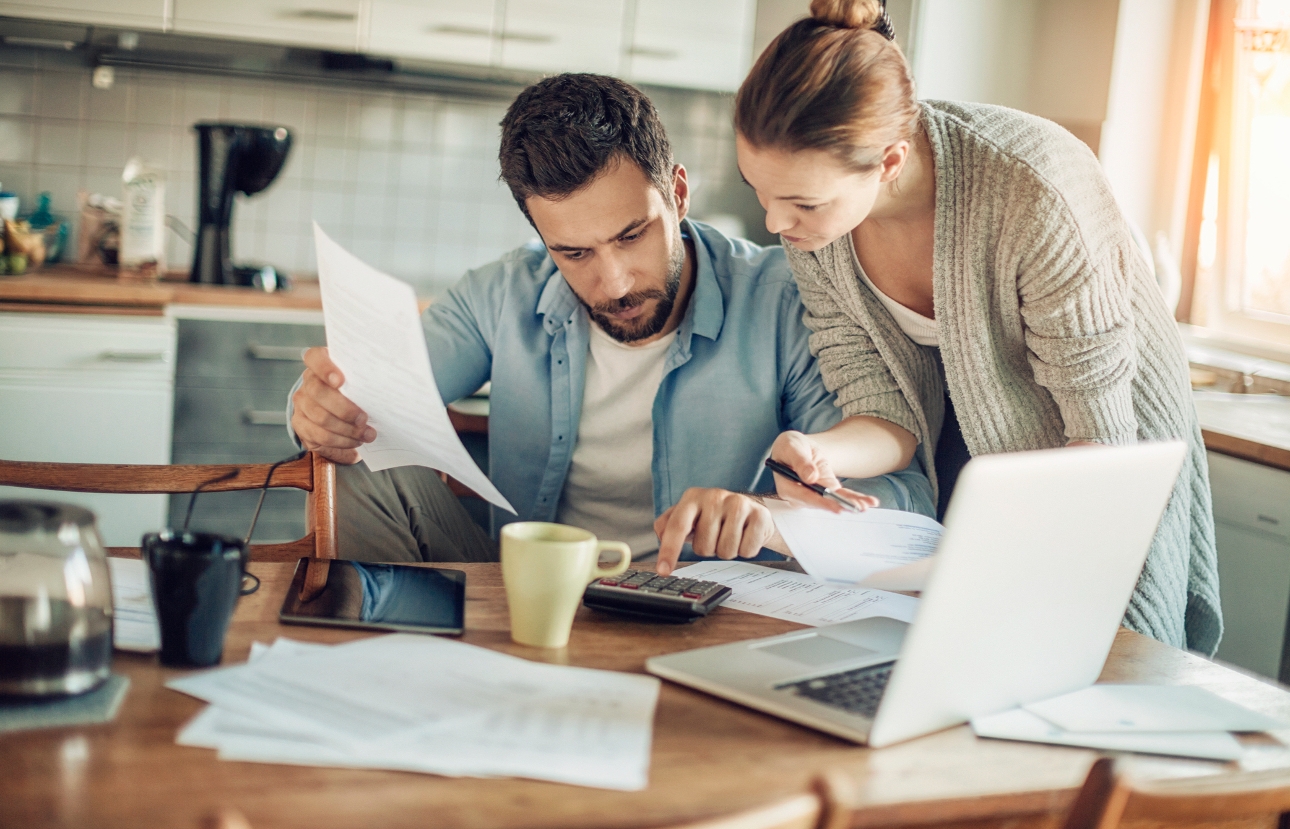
x=1040 y=554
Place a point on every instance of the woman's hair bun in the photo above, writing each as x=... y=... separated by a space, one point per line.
x=849 y=14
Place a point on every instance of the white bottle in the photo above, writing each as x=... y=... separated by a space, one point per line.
x=143 y=221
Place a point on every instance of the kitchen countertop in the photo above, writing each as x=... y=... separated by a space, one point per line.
x=98 y=290
x=1254 y=427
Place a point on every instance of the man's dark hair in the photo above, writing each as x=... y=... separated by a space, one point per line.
x=562 y=132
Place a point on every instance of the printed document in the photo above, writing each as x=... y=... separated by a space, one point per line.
x=421 y=703
x=797 y=597
x=374 y=337
x=850 y=548
x=134 y=620
x=1151 y=708
x=1020 y=724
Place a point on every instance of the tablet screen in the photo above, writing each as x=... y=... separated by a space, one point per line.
x=381 y=596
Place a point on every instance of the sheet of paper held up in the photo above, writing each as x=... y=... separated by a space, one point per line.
x=134 y=619
x=420 y=703
x=1149 y=708
x=374 y=336
x=797 y=597
x=1020 y=724
x=883 y=548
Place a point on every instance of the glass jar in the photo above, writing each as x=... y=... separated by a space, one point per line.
x=55 y=600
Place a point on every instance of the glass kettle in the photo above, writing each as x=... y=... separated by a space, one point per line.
x=55 y=600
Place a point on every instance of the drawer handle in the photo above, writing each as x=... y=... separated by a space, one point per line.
x=263 y=418
x=133 y=356
x=281 y=353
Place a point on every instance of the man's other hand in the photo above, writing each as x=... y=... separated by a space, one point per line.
x=716 y=522
x=324 y=420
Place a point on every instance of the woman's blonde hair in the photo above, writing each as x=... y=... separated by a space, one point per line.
x=834 y=81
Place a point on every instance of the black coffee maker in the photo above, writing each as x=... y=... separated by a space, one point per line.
x=232 y=158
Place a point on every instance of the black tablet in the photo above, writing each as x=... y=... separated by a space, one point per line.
x=381 y=597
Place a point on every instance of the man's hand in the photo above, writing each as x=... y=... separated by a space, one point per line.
x=323 y=419
x=716 y=522
x=796 y=450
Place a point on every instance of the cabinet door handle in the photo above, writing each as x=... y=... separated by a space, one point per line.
x=265 y=418
x=281 y=353
x=113 y=356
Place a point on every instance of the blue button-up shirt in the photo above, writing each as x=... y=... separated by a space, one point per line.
x=739 y=372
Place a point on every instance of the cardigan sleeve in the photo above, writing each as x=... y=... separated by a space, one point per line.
x=850 y=362
x=1075 y=293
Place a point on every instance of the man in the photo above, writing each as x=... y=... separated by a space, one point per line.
x=641 y=364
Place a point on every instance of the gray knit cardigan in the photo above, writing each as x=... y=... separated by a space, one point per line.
x=1051 y=330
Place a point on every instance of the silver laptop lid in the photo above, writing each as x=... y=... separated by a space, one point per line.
x=1040 y=555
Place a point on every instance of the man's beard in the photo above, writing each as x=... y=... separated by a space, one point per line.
x=642 y=328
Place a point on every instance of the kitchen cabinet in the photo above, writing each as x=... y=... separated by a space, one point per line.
x=80 y=388
x=139 y=14
x=325 y=24
x=232 y=380
x=704 y=45
x=563 y=36
x=435 y=30
x=1252 y=522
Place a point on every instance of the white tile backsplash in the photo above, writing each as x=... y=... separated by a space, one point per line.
x=407 y=181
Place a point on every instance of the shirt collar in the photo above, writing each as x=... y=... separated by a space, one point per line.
x=559 y=305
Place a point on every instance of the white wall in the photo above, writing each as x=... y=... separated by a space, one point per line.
x=975 y=50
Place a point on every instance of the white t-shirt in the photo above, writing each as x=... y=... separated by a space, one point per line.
x=610 y=487
x=922 y=330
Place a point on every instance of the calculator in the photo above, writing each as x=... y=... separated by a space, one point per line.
x=651 y=597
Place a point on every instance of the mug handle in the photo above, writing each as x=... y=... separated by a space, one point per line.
x=625 y=560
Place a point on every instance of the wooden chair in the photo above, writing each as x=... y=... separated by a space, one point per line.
x=821 y=808
x=1109 y=799
x=312 y=473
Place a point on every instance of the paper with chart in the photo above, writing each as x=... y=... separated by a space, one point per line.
x=374 y=337
x=797 y=597
x=878 y=547
x=420 y=703
x=1020 y=724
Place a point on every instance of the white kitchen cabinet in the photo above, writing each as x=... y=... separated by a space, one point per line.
x=563 y=35
x=326 y=24
x=1252 y=522
x=140 y=14
x=89 y=389
x=435 y=30
x=705 y=45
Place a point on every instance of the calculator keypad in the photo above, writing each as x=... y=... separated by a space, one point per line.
x=644 y=593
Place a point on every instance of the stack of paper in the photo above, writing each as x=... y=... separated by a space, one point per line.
x=1176 y=720
x=420 y=703
x=796 y=597
x=134 y=620
x=884 y=548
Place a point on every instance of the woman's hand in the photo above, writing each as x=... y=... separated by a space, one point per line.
x=808 y=460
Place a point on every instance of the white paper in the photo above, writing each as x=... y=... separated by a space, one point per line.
x=1152 y=708
x=1019 y=724
x=850 y=547
x=797 y=597
x=134 y=618
x=374 y=337
x=419 y=703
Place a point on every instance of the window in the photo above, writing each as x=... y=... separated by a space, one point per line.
x=1243 y=259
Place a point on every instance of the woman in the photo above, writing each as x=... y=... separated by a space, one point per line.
x=965 y=265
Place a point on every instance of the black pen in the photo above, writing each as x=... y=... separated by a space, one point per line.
x=787 y=472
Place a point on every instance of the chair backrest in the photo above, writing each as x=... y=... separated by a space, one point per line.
x=1109 y=798
x=824 y=807
x=312 y=473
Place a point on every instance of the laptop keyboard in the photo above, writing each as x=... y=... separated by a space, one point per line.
x=857 y=692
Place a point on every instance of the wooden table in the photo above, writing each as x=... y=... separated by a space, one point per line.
x=709 y=756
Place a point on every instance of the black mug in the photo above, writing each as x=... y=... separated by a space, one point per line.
x=196 y=581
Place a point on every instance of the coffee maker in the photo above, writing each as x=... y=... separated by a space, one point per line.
x=232 y=159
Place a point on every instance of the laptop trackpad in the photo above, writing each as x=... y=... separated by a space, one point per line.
x=816 y=650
